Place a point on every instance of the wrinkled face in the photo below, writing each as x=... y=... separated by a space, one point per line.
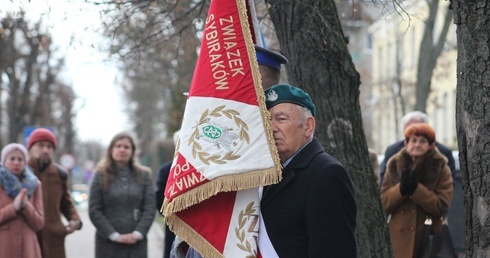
x=15 y=162
x=417 y=146
x=290 y=132
x=122 y=151
x=42 y=151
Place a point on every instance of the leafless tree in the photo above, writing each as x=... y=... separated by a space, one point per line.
x=157 y=43
x=35 y=94
x=430 y=50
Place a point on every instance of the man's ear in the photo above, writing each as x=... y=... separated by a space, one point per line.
x=310 y=126
x=405 y=142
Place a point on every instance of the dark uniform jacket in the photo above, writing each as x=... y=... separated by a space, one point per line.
x=312 y=211
x=169 y=236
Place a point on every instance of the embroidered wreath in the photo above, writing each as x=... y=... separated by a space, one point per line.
x=240 y=231
x=206 y=157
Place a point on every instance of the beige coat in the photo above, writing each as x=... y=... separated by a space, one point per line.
x=432 y=197
x=18 y=229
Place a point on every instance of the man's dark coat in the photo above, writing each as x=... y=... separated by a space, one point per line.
x=312 y=211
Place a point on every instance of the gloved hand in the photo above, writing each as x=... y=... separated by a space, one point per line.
x=405 y=182
x=414 y=183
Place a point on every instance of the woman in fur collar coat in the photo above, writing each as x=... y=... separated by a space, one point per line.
x=21 y=205
x=122 y=202
x=417 y=184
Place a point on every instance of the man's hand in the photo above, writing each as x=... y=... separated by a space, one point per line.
x=73 y=225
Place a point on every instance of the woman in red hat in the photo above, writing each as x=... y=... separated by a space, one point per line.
x=417 y=184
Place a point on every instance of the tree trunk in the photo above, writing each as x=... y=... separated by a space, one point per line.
x=311 y=37
x=473 y=119
x=428 y=54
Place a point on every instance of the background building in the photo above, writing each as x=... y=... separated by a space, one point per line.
x=396 y=41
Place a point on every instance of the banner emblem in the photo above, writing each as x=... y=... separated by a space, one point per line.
x=212 y=129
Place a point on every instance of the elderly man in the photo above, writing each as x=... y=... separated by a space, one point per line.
x=312 y=211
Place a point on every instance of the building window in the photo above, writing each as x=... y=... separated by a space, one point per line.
x=380 y=132
x=380 y=64
x=369 y=41
x=412 y=51
x=435 y=116
x=400 y=53
x=389 y=59
x=446 y=117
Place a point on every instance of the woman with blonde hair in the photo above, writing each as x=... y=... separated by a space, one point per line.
x=121 y=202
x=417 y=184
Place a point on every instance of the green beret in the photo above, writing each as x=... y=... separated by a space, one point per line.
x=284 y=93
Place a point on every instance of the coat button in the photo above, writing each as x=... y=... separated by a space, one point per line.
x=413 y=211
x=412 y=229
x=402 y=212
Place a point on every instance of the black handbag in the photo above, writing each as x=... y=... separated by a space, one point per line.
x=436 y=245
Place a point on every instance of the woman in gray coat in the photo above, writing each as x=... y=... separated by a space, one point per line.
x=122 y=200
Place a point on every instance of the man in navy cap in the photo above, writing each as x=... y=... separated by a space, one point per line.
x=312 y=211
x=269 y=66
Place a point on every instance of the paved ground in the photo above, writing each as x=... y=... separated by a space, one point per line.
x=81 y=243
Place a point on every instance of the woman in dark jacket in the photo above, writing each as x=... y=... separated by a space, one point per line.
x=122 y=202
x=417 y=184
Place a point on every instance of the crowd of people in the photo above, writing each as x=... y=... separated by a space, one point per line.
x=34 y=196
x=316 y=198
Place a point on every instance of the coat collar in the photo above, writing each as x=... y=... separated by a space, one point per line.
x=299 y=162
x=427 y=167
x=37 y=171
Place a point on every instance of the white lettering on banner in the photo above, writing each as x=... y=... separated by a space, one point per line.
x=178 y=168
x=187 y=181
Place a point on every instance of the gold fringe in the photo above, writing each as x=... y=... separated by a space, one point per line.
x=221 y=184
x=259 y=90
x=191 y=237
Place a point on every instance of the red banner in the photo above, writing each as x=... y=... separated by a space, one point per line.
x=225 y=149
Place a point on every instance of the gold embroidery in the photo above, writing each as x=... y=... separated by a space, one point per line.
x=240 y=232
x=221 y=136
